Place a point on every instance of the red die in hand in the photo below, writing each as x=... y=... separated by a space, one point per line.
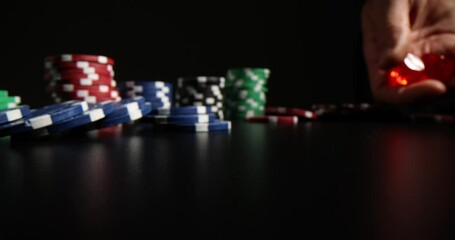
x=438 y=67
x=415 y=69
x=411 y=70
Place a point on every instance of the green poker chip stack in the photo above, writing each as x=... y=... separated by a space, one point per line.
x=245 y=92
x=8 y=101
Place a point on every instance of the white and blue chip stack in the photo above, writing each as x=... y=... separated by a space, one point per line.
x=71 y=116
x=41 y=118
x=158 y=93
x=189 y=118
x=126 y=111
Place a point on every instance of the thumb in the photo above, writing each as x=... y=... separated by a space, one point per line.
x=412 y=93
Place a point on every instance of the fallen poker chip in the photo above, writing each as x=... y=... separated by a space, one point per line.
x=273 y=119
x=14 y=114
x=217 y=125
x=181 y=119
x=78 y=57
x=58 y=115
x=186 y=110
x=43 y=117
x=126 y=118
x=299 y=112
x=162 y=105
x=95 y=113
x=126 y=106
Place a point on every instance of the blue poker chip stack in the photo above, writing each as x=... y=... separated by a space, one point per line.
x=95 y=112
x=13 y=114
x=41 y=118
x=189 y=118
x=71 y=116
x=158 y=93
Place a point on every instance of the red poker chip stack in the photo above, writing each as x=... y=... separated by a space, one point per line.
x=80 y=77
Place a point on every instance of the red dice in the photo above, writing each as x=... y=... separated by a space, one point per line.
x=415 y=69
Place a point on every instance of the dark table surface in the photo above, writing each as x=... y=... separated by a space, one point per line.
x=314 y=180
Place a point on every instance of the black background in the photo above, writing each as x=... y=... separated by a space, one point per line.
x=312 y=49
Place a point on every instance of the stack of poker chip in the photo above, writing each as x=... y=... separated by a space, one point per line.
x=201 y=91
x=80 y=77
x=71 y=116
x=188 y=118
x=158 y=93
x=7 y=101
x=245 y=94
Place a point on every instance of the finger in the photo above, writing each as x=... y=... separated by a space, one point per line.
x=410 y=94
x=397 y=34
x=441 y=43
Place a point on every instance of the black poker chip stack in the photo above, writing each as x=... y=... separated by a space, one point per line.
x=201 y=91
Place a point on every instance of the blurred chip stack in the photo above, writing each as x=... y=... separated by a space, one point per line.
x=80 y=77
x=158 y=93
x=201 y=91
x=245 y=94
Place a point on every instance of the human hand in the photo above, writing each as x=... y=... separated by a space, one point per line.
x=394 y=28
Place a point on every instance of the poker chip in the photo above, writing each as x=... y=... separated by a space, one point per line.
x=126 y=106
x=299 y=112
x=11 y=99
x=51 y=60
x=95 y=113
x=58 y=115
x=217 y=125
x=44 y=117
x=7 y=101
x=130 y=116
x=80 y=82
x=56 y=72
x=95 y=77
x=158 y=93
x=141 y=85
x=245 y=93
x=273 y=119
x=88 y=92
x=205 y=91
x=73 y=88
x=78 y=65
x=7 y=105
x=188 y=110
x=181 y=119
x=14 y=114
x=80 y=77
